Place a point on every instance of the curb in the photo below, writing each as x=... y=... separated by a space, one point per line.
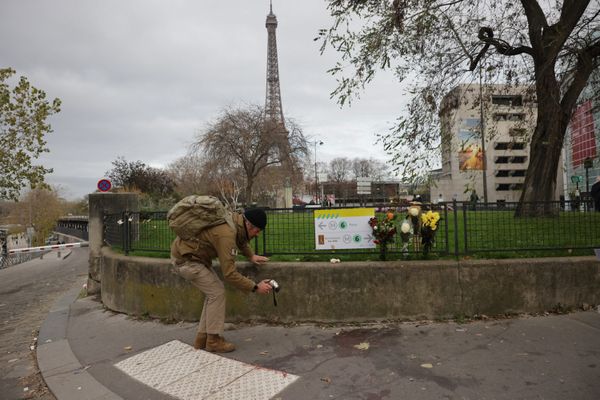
x=66 y=378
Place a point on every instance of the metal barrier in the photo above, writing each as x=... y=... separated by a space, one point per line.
x=465 y=228
x=76 y=226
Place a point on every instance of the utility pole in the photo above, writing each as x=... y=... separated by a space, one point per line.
x=482 y=125
x=316 y=177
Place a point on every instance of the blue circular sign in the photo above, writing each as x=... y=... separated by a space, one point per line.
x=104 y=185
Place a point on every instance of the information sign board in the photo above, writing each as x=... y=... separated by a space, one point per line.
x=346 y=228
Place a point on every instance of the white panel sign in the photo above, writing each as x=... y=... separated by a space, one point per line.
x=344 y=229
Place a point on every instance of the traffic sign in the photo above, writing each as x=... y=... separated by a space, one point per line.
x=576 y=179
x=104 y=185
x=363 y=185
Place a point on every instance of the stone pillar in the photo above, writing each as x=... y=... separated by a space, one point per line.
x=99 y=204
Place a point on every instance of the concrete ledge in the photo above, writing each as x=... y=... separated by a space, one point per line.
x=360 y=291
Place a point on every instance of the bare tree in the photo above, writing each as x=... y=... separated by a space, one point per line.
x=40 y=208
x=241 y=139
x=553 y=46
x=187 y=173
x=363 y=167
x=339 y=169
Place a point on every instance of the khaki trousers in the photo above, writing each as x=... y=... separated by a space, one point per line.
x=212 y=320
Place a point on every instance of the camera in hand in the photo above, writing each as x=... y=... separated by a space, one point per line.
x=274 y=285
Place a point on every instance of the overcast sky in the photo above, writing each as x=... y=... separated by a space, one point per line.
x=140 y=78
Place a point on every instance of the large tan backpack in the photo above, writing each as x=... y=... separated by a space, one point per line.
x=194 y=213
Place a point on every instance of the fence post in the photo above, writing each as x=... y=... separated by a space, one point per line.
x=125 y=232
x=455 y=211
x=264 y=252
x=445 y=208
x=465 y=227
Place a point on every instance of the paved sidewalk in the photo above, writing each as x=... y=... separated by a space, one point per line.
x=551 y=357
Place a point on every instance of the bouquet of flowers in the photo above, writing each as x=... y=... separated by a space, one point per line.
x=429 y=225
x=406 y=231
x=384 y=231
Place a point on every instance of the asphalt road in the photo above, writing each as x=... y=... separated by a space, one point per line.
x=27 y=292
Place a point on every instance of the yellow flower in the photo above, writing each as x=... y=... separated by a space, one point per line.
x=430 y=219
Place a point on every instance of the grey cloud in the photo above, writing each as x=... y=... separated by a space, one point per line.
x=139 y=78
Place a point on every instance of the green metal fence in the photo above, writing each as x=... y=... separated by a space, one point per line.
x=464 y=229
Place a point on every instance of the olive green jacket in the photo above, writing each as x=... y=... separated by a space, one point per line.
x=218 y=241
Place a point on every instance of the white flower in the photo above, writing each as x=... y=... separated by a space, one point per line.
x=414 y=211
x=405 y=227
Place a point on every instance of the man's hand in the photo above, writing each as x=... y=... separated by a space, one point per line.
x=256 y=259
x=264 y=287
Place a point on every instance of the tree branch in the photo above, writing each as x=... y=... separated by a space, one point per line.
x=536 y=21
x=583 y=70
x=486 y=35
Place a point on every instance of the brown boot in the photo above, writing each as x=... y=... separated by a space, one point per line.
x=217 y=344
x=200 y=341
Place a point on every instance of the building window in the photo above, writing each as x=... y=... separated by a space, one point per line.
x=509 y=117
x=509 y=146
x=517 y=132
x=511 y=101
x=583 y=139
x=518 y=172
x=502 y=160
x=516 y=186
x=502 y=173
x=518 y=160
x=503 y=187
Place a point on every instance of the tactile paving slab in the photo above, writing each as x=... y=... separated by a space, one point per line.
x=178 y=370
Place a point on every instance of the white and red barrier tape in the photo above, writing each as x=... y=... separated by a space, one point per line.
x=52 y=247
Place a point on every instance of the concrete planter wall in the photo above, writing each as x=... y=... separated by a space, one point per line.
x=364 y=291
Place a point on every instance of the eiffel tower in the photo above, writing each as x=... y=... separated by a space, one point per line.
x=273 y=108
x=274 y=111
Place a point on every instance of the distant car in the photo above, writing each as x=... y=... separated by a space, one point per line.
x=52 y=240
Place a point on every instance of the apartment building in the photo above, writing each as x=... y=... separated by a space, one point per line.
x=582 y=142
x=492 y=165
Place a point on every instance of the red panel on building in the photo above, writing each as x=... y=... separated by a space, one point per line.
x=582 y=134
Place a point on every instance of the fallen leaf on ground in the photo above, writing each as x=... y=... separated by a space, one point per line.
x=264 y=353
x=426 y=365
x=127 y=348
x=326 y=379
x=362 y=346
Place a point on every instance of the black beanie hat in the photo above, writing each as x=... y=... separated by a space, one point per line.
x=256 y=217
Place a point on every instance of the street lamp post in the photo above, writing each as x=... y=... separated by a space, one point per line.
x=482 y=126
x=587 y=164
x=316 y=177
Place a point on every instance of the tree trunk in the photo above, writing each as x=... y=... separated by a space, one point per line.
x=545 y=151
x=249 y=191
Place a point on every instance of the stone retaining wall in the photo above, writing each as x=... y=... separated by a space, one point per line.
x=360 y=291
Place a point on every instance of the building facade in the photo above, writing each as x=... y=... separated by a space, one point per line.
x=582 y=142
x=491 y=166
